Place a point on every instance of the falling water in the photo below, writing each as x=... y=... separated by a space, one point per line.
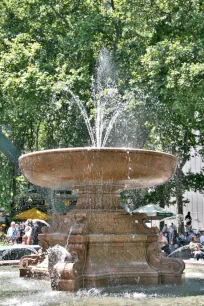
x=69 y=233
x=17 y=248
x=30 y=292
x=107 y=102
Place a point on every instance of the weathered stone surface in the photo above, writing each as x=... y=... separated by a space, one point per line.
x=108 y=247
x=123 y=252
x=65 y=168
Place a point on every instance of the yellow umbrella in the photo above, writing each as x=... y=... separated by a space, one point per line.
x=32 y=213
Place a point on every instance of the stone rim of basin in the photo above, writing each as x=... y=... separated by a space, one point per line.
x=129 y=168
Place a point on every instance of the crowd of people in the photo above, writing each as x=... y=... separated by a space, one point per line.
x=170 y=240
x=21 y=233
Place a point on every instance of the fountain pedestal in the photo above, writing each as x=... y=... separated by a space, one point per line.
x=108 y=247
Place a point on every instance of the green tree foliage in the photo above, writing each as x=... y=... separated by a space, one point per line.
x=6 y=182
x=157 y=46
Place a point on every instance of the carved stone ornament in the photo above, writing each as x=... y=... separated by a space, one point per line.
x=107 y=246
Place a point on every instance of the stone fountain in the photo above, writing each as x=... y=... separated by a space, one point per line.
x=107 y=246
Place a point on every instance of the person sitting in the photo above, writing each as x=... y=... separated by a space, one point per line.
x=12 y=232
x=194 y=246
x=182 y=239
x=35 y=232
x=172 y=239
x=202 y=237
x=18 y=238
x=193 y=243
x=24 y=240
x=28 y=233
x=190 y=236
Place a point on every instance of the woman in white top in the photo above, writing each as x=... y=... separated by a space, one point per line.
x=28 y=233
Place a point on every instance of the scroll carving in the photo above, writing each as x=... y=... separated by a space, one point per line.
x=161 y=263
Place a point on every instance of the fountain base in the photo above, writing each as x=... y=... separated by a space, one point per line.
x=108 y=248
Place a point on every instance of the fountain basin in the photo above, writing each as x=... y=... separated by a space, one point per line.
x=66 y=168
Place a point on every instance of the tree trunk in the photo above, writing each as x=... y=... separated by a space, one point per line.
x=179 y=199
x=14 y=190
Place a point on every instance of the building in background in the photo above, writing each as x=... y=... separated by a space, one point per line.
x=196 y=199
